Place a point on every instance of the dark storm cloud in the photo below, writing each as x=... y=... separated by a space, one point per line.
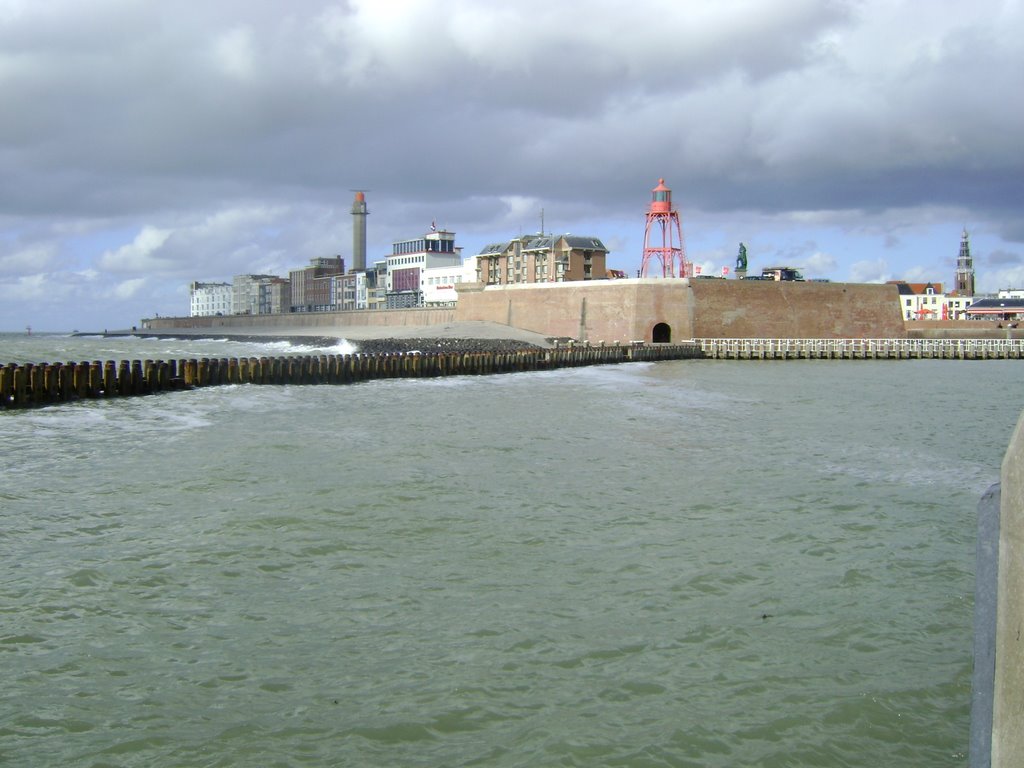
x=233 y=132
x=1004 y=258
x=110 y=89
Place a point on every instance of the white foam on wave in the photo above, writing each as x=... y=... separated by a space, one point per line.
x=46 y=422
x=910 y=466
x=342 y=347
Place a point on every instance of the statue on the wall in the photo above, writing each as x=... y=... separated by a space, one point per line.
x=741 y=259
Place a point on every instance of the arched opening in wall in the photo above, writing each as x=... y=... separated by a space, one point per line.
x=662 y=334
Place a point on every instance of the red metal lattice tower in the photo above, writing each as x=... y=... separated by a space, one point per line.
x=663 y=215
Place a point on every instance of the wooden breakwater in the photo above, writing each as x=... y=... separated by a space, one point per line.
x=30 y=385
x=862 y=349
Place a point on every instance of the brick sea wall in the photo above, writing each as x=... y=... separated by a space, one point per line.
x=630 y=310
x=623 y=311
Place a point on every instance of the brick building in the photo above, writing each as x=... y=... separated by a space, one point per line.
x=542 y=259
x=311 y=286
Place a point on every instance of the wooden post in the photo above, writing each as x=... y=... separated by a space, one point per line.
x=35 y=382
x=138 y=379
x=51 y=382
x=150 y=375
x=124 y=378
x=80 y=379
x=7 y=385
x=65 y=377
x=95 y=385
x=20 y=387
x=109 y=379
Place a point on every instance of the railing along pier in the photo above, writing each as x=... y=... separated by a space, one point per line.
x=862 y=349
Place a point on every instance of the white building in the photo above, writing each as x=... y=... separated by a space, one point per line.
x=210 y=299
x=439 y=284
x=410 y=259
x=927 y=301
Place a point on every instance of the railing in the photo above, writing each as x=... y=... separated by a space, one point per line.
x=862 y=349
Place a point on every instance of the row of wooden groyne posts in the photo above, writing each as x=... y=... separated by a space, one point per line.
x=28 y=385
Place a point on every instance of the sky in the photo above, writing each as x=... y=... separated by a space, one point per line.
x=144 y=144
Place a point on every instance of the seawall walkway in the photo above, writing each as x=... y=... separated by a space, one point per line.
x=31 y=385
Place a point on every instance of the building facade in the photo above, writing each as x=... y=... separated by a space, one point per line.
x=409 y=261
x=542 y=259
x=276 y=296
x=210 y=299
x=1001 y=308
x=927 y=301
x=439 y=285
x=355 y=290
x=251 y=296
x=311 y=287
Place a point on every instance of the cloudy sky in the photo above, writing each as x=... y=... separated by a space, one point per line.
x=147 y=144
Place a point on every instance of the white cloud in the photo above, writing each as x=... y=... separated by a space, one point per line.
x=140 y=255
x=819 y=263
x=25 y=288
x=128 y=289
x=37 y=257
x=1009 y=277
x=875 y=271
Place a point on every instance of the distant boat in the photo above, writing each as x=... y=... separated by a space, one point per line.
x=28 y=330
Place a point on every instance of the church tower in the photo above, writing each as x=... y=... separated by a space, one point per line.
x=964 y=281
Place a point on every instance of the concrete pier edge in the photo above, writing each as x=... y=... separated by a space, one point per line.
x=986 y=585
x=1008 y=686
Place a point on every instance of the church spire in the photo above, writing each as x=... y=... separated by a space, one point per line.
x=964 y=281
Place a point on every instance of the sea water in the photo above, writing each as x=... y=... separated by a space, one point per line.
x=691 y=563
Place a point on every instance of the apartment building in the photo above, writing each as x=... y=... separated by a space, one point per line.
x=311 y=287
x=253 y=295
x=209 y=299
x=542 y=259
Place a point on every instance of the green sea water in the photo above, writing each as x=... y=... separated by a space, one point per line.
x=692 y=563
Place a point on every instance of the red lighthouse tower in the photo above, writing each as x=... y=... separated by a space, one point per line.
x=663 y=215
